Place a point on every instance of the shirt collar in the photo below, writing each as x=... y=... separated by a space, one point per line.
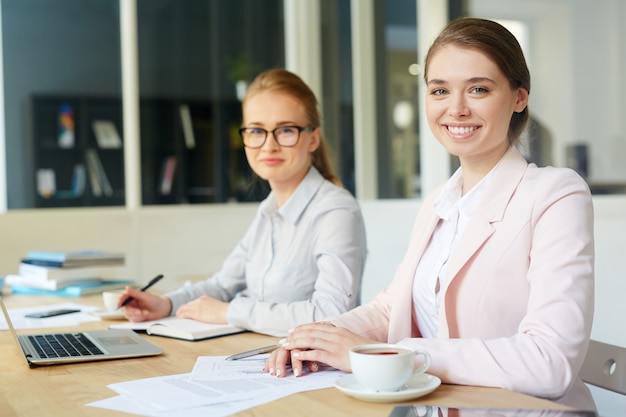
x=451 y=200
x=299 y=200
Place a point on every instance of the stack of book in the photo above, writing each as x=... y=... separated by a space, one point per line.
x=71 y=274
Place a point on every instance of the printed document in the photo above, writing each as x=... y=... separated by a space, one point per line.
x=214 y=386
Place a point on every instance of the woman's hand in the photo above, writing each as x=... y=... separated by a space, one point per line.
x=206 y=309
x=312 y=345
x=144 y=305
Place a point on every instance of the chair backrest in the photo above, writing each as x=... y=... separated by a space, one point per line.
x=605 y=366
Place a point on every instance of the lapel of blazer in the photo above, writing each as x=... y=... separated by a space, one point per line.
x=401 y=326
x=505 y=180
x=421 y=234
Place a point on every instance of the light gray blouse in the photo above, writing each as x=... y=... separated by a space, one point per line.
x=297 y=264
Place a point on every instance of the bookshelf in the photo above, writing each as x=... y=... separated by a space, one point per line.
x=182 y=150
x=67 y=154
x=190 y=152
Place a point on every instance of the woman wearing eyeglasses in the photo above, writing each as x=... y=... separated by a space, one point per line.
x=302 y=258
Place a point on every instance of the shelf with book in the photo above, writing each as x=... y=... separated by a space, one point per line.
x=201 y=155
x=186 y=156
x=190 y=151
x=67 y=151
x=161 y=145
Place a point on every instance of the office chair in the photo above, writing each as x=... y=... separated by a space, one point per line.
x=605 y=366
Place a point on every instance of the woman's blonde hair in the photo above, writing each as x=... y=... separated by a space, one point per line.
x=289 y=83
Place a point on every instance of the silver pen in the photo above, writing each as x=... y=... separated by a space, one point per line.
x=248 y=353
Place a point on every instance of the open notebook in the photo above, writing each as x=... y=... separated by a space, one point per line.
x=186 y=329
x=86 y=346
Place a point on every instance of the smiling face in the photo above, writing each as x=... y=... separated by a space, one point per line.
x=469 y=104
x=283 y=167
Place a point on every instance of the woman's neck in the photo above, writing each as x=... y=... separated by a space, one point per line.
x=283 y=190
x=281 y=196
x=474 y=172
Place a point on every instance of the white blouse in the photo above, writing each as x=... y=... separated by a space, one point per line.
x=296 y=264
x=454 y=211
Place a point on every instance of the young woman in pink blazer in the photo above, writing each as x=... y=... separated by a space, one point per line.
x=498 y=279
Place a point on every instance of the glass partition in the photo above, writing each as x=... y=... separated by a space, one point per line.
x=61 y=77
x=63 y=107
x=62 y=87
x=337 y=98
x=399 y=69
x=577 y=57
x=195 y=59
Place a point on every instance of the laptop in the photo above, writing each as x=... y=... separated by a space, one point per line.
x=82 y=346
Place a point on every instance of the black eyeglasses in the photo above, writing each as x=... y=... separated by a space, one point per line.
x=287 y=136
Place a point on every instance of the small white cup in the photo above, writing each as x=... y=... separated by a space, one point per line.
x=110 y=299
x=385 y=367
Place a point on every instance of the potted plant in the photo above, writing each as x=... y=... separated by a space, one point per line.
x=240 y=72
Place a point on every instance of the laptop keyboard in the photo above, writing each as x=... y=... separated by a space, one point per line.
x=62 y=345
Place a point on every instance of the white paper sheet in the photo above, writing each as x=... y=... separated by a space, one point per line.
x=72 y=319
x=125 y=404
x=215 y=387
x=216 y=369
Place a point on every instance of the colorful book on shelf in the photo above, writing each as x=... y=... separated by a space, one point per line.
x=75 y=257
x=44 y=273
x=49 y=284
x=167 y=176
x=73 y=290
x=176 y=328
x=78 y=180
x=66 y=126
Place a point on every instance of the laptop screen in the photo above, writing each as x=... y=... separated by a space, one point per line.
x=5 y=312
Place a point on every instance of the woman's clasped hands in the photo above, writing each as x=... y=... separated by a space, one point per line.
x=312 y=345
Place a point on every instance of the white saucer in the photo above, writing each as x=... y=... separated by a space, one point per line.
x=418 y=386
x=109 y=315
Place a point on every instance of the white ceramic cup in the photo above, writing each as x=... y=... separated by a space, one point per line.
x=110 y=299
x=385 y=367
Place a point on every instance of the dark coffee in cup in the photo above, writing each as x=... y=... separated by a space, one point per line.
x=385 y=367
x=376 y=352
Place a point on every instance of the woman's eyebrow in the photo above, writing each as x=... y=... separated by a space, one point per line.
x=435 y=81
x=472 y=80
x=481 y=80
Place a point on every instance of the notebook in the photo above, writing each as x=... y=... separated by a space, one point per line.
x=185 y=329
x=86 y=346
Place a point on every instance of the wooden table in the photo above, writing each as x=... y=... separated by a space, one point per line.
x=63 y=390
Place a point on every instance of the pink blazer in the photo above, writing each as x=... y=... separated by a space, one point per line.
x=518 y=309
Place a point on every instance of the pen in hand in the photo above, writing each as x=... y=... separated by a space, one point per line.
x=145 y=287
